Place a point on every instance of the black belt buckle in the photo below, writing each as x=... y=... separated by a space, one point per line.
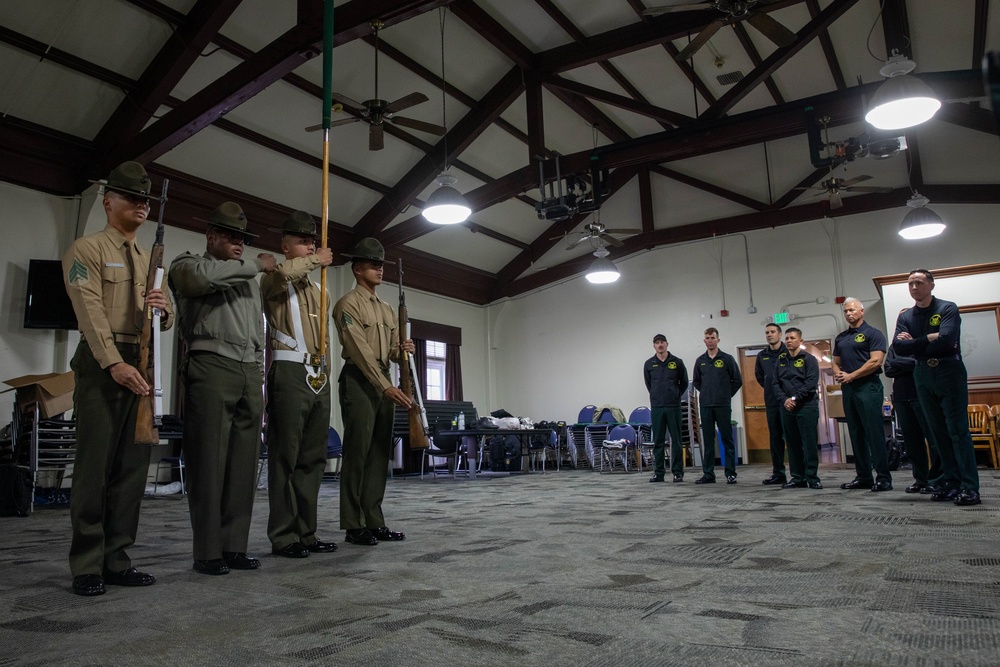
x=933 y=363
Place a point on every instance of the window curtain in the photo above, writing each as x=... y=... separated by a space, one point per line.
x=421 y=332
x=453 y=372
x=420 y=359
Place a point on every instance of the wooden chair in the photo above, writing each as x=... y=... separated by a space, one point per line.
x=984 y=432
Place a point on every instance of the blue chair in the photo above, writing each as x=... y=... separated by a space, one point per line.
x=334 y=452
x=642 y=419
x=619 y=444
x=586 y=414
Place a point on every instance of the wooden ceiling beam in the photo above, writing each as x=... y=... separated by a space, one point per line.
x=666 y=116
x=67 y=60
x=831 y=53
x=591 y=114
x=967 y=116
x=979 y=32
x=710 y=188
x=913 y=164
x=489 y=28
x=751 y=50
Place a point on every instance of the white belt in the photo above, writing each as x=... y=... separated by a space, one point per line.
x=290 y=355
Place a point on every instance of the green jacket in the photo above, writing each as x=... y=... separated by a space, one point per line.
x=218 y=305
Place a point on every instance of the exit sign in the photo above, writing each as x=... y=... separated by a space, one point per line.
x=780 y=318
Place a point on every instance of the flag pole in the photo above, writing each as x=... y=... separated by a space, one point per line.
x=325 y=216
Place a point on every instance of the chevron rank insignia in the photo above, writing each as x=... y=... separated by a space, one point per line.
x=346 y=320
x=78 y=273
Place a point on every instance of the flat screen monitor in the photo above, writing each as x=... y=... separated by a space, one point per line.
x=47 y=305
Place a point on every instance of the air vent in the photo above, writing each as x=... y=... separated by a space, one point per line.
x=729 y=78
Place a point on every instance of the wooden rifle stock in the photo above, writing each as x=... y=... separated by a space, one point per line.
x=418 y=427
x=147 y=420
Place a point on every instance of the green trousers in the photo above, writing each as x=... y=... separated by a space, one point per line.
x=801 y=428
x=298 y=421
x=667 y=419
x=109 y=472
x=776 y=438
x=720 y=416
x=926 y=469
x=223 y=404
x=863 y=409
x=944 y=396
x=367 y=445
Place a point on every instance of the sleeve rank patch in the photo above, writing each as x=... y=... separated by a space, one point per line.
x=346 y=320
x=78 y=273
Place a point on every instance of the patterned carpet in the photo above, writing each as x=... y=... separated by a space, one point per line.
x=569 y=568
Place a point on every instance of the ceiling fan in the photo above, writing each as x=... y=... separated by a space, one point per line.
x=377 y=111
x=734 y=10
x=595 y=231
x=833 y=187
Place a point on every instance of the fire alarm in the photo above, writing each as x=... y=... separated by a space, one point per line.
x=840 y=299
x=723 y=313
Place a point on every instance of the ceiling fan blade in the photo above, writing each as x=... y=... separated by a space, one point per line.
x=771 y=29
x=376 y=138
x=345 y=121
x=700 y=40
x=348 y=102
x=656 y=11
x=578 y=241
x=857 y=179
x=836 y=201
x=868 y=188
x=410 y=100
x=622 y=231
x=429 y=128
x=610 y=240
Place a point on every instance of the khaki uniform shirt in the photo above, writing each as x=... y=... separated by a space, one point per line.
x=366 y=326
x=277 y=307
x=106 y=297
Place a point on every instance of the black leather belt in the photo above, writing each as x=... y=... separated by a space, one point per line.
x=125 y=339
x=934 y=362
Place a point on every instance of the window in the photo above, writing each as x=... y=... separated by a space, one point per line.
x=436 y=389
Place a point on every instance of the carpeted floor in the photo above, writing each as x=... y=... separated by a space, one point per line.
x=569 y=568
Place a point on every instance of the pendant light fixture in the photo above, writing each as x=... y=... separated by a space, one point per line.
x=902 y=100
x=446 y=205
x=921 y=222
x=602 y=270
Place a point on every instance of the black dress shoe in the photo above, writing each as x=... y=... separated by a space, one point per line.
x=968 y=497
x=320 y=547
x=88 y=584
x=945 y=494
x=856 y=484
x=214 y=566
x=656 y=478
x=731 y=479
x=932 y=489
x=293 y=550
x=878 y=487
x=793 y=485
x=678 y=478
x=816 y=485
x=705 y=480
x=361 y=536
x=773 y=479
x=916 y=487
x=238 y=560
x=129 y=577
x=387 y=535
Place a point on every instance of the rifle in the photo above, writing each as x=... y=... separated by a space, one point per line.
x=407 y=377
x=150 y=416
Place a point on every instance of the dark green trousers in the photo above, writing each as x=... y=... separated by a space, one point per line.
x=801 y=428
x=944 y=396
x=297 y=427
x=109 y=472
x=223 y=404
x=920 y=450
x=667 y=419
x=720 y=416
x=776 y=437
x=367 y=445
x=863 y=409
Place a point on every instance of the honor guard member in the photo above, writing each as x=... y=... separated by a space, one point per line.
x=717 y=378
x=369 y=336
x=858 y=352
x=764 y=373
x=220 y=321
x=931 y=331
x=298 y=392
x=105 y=275
x=666 y=381
x=920 y=449
x=794 y=383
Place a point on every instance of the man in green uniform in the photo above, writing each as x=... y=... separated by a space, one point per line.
x=794 y=383
x=220 y=321
x=298 y=392
x=717 y=378
x=666 y=381
x=858 y=352
x=931 y=331
x=369 y=336
x=105 y=275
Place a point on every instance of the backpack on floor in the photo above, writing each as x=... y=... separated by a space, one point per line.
x=15 y=491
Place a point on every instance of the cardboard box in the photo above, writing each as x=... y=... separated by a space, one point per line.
x=834 y=401
x=52 y=391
